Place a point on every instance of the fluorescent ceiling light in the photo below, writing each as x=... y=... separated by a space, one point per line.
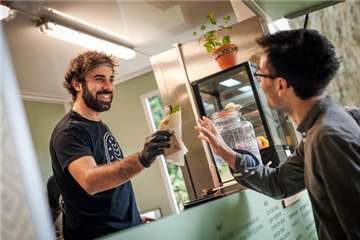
x=230 y=83
x=85 y=40
x=79 y=21
x=6 y=13
x=246 y=88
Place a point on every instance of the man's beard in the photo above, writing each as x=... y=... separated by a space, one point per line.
x=93 y=103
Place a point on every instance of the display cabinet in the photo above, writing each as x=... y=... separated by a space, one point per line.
x=239 y=86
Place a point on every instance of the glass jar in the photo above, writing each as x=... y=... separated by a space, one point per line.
x=236 y=132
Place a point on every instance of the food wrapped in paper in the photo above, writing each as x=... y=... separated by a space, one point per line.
x=172 y=122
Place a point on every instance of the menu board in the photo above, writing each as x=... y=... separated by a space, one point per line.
x=247 y=215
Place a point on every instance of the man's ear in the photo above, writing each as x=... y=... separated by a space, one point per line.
x=282 y=84
x=76 y=84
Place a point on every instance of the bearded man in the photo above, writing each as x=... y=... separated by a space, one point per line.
x=88 y=164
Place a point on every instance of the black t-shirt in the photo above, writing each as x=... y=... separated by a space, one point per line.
x=89 y=217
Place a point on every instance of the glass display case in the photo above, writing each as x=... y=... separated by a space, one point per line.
x=238 y=85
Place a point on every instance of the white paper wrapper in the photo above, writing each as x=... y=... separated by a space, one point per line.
x=173 y=123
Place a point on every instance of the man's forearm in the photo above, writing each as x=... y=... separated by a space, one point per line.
x=109 y=176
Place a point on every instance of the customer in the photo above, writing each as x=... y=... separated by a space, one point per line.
x=90 y=170
x=354 y=112
x=295 y=68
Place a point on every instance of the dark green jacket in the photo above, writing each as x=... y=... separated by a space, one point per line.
x=327 y=163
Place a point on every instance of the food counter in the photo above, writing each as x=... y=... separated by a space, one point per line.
x=246 y=215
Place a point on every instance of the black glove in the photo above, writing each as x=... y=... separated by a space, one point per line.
x=153 y=147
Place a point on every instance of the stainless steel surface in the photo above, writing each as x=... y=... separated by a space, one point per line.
x=274 y=10
x=174 y=71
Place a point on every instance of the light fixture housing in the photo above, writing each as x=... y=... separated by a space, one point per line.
x=6 y=13
x=80 y=38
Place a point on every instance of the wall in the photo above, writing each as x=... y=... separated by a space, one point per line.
x=340 y=25
x=126 y=120
x=42 y=118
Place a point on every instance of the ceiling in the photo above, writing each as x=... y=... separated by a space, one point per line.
x=151 y=27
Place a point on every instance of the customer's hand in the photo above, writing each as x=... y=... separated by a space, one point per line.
x=209 y=134
x=153 y=147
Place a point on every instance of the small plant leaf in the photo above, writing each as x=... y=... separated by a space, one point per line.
x=202 y=27
x=175 y=109
x=221 y=28
x=209 y=47
x=227 y=19
x=195 y=33
x=213 y=21
x=210 y=33
x=211 y=39
x=210 y=14
x=226 y=40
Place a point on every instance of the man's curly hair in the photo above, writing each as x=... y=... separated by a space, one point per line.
x=82 y=64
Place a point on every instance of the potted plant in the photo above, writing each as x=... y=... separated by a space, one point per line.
x=221 y=48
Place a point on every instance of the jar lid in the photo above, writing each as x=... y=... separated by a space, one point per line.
x=223 y=113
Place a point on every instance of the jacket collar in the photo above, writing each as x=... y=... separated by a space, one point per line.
x=313 y=114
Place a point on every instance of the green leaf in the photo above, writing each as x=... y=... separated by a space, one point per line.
x=175 y=109
x=226 y=40
x=210 y=14
x=195 y=33
x=211 y=39
x=210 y=33
x=202 y=27
x=227 y=19
x=209 y=48
x=208 y=44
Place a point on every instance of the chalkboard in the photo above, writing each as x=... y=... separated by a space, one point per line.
x=247 y=215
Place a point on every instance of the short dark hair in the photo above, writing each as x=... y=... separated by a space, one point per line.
x=83 y=63
x=303 y=57
x=354 y=112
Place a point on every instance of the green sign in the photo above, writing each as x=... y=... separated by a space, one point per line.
x=247 y=215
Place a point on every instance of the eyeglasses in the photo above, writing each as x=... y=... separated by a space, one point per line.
x=258 y=76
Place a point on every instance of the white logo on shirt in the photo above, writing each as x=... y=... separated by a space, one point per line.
x=111 y=147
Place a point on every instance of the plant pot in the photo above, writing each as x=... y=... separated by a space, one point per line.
x=226 y=56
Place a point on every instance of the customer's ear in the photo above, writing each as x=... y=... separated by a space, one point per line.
x=282 y=83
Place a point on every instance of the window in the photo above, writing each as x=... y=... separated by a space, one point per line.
x=155 y=110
